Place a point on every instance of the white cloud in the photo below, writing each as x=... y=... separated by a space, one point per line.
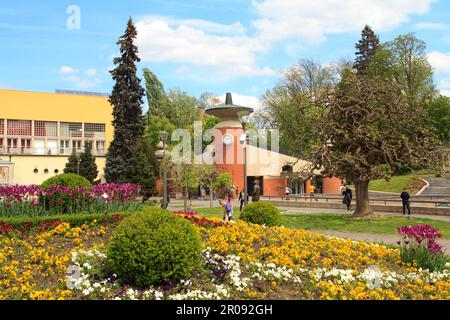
x=67 y=70
x=229 y=55
x=205 y=25
x=230 y=50
x=313 y=20
x=431 y=26
x=81 y=83
x=440 y=61
x=91 y=72
x=243 y=100
x=445 y=93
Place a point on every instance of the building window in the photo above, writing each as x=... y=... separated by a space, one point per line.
x=45 y=129
x=25 y=145
x=100 y=145
x=70 y=130
x=2 y=126
x=94 y=130
x=19 y=128
x=76 y=145
x=39 y=147
x=52 y=147
x=64 y=147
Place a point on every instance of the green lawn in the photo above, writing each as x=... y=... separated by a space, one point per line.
x=347 y=223
x=343 y=222
x=396 y=184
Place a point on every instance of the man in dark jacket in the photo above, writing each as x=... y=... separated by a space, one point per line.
x=405 y=201
x=347 y=200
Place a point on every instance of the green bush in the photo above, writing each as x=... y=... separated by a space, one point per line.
x=262 y=213
x=69 y=180
x=154 y=247
x=62 y=201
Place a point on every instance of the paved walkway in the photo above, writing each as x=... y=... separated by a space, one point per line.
x=438 y=186
x=373 y=237
x=178 y=205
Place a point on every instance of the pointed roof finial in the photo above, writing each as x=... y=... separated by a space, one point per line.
x=228 y=99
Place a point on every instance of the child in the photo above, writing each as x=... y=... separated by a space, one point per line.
x=228 y=210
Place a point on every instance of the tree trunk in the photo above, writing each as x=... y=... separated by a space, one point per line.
x=185 y=199
x=363 y=208
x=211 y=195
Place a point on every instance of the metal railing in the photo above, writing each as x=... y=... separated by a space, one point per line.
x=442 y=202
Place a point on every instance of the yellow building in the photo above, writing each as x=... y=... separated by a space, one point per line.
x=39 y=131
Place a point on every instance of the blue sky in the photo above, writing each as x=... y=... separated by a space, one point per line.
x=204 y=45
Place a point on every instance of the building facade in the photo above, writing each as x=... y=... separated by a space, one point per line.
x=39 y=131
x=263 y=166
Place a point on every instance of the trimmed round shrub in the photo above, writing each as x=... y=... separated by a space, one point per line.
x=153 y=247
x=69 y=180
x=61 y=200
x=262 y=213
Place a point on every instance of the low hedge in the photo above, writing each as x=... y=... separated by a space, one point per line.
x=263 y=213
x=75 y=220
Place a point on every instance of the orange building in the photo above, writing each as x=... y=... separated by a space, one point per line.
x=264 y=166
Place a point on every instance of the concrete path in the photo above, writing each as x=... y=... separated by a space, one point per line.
x=373 y=237
x=178 y=205
x=438 y=186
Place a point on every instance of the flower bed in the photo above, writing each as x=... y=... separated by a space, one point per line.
x=240 y=261
x=20 y=200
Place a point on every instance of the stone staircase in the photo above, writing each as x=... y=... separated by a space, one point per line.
x=438 y=187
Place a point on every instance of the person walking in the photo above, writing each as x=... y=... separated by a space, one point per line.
x=233 y=191
x=311 y=190
x=242 y=200
x=405 y=202
x=227 y=210
x=347 y=200
x=287 y=191
x=256 y=192
x=342 y=189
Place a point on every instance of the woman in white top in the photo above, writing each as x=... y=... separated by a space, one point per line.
x=287 y=191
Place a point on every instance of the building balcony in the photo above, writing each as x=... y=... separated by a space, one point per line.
x=47 y=152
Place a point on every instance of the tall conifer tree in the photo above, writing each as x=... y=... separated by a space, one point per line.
x=366 y=50
x=72 y=163
x=126 y=98
x=88 y=167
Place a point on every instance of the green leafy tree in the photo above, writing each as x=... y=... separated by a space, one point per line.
x=156 y=96
x=439 y=118
x=366 y=50
x=88 y=167
x=223 y=183
x=153 y=128
x=72 y=163
x=182 y=111
x=187 y=178
x=125 y=160
x=408 y=65
x=208 y=175
x=140 y=171
x=360 y=129
x=291 y=104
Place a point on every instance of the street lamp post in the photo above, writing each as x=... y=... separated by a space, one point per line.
x=163 y=136
x=244 y=116
x=78 y=166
